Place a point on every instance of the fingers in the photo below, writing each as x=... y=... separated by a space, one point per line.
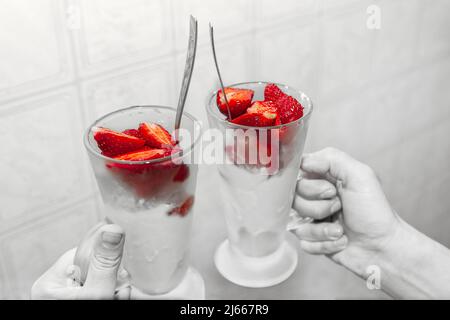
x=315 y=189
x=316 y=209
x=104 y=263
x=46 y=287
x=333 y=164
x=319 y=231
x=123 y=293
x=324 y=247
x=84 y=250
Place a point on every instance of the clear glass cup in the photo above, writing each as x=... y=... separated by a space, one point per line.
x=145 y=198
x=258 y=195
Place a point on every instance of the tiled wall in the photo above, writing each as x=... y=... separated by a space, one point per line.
x=382 y=95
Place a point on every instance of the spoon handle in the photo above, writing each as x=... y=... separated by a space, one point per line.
x=189 y=67
x=213 y=47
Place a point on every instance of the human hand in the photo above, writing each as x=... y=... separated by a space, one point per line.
x=335 y=185
x=101 y=252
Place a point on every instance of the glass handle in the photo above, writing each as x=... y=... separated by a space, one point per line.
x=295 y=220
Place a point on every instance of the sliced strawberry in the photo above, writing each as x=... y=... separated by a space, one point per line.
x=114 y=143
x=147 y=180
x=184 y=209
x=182 y=174
x=253 y=120
x=134 y=133
x=267 y=108
x=143 y=155
x=289 y=109
x=156 y=136
x=238 y=100
x=273 y=93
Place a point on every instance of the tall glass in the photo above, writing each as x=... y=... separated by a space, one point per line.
x=151 y=200
x=258 y=195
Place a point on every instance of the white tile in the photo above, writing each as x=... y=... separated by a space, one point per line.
x=333 y=7
x=34 y=52
x=423 y=158
x=282 y=10
x=387 y=113
x=341 y=125
x=115 y=33
x=396 y=40
x=414 y=176
x=42 y=163
x=3 y=284
x=432 y=215
x=229 y=18
x=430 y=95
x=434 y=28
x=330 y=4
x=346 y=54
x=30 y=251
x=146 y=85
x=289 y=55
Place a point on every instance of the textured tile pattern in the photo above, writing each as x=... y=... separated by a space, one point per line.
x=381 y=95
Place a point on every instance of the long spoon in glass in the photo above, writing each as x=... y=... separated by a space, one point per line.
x=211 y=35
x=188 y=69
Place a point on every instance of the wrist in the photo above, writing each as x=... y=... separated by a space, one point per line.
x=409 y=264
x=384 y=253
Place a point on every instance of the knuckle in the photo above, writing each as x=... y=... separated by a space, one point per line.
x=102 y=262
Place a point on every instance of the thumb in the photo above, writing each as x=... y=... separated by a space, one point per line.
x=104 y=263
x=335 y=166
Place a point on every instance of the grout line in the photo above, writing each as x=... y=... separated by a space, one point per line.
x=54 y=211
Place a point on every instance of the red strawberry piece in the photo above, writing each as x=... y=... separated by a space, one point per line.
x=134 y=133
x=182 y=174
x=184 y=209
x=253 y=120
x=146 y=180
x=155 y=135
x=267 y=108
x=273 y=93
x=289 y=109
x=114 y=143
x=238 y=100
x=143 y=155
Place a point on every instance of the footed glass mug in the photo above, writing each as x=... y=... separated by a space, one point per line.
x=258 y=195
x=151 y=200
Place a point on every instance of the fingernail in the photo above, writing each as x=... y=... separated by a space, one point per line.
x=334 y=232
x=327 y=194
x=336 y=206
x=111 y=240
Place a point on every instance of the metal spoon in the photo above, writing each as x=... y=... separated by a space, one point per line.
x=189 y=67
x=211 y=34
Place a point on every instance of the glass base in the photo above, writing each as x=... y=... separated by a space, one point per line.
x=192 y=287
x=256 y=272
